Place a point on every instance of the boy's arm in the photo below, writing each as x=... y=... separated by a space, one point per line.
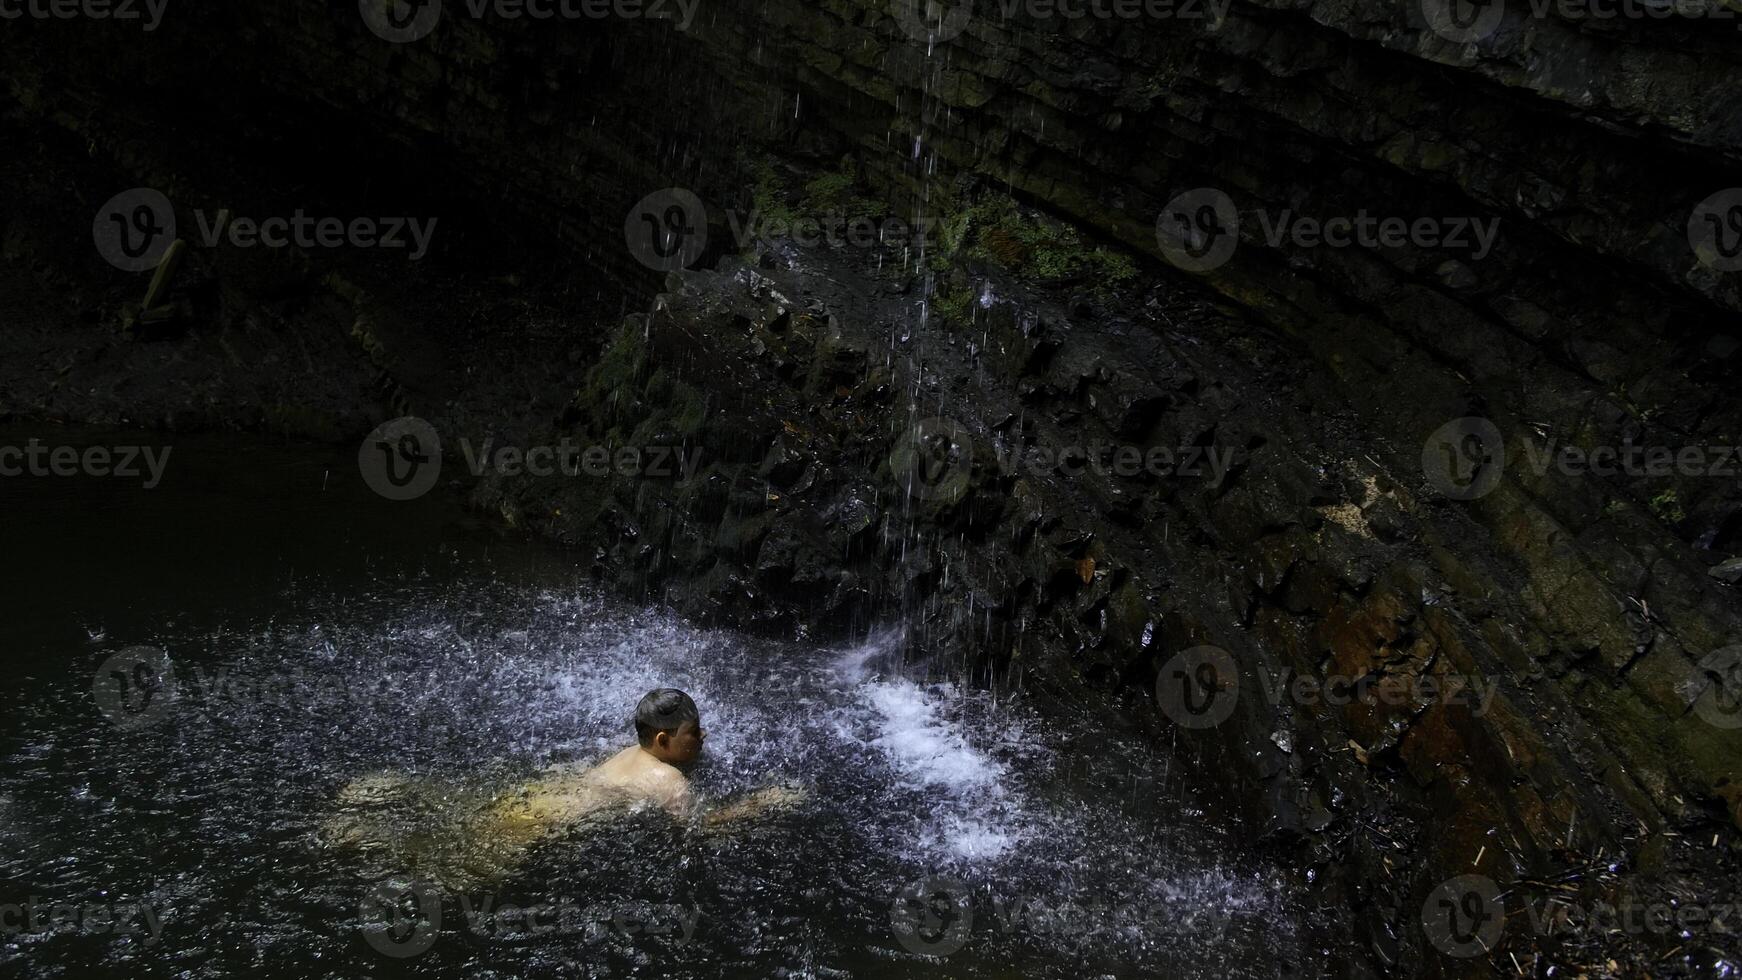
x=752 y=805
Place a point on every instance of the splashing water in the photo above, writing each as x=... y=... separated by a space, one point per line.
x=210 y=815
x=355 y=639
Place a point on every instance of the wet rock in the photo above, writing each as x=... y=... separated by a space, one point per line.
x=783 y=466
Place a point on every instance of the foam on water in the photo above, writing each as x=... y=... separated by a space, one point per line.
x=909 y=777
x=925 y=749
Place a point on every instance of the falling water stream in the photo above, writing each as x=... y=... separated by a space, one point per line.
x=350 y=635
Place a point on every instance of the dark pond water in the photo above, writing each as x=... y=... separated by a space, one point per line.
x=314 y=633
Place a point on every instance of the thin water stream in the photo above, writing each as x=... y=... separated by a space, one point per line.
x=352 y=635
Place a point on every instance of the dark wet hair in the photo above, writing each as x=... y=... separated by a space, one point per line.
x=663 y=709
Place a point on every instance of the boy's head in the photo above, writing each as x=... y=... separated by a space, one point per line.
x=668 y=725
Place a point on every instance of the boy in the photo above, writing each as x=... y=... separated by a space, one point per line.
x=489 y=842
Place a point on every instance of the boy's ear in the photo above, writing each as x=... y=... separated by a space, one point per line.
x=662 y=739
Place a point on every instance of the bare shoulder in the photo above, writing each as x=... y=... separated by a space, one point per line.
x=668 y=787
x=664 y=777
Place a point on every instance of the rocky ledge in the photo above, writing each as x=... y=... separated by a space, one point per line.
x=1121 y=493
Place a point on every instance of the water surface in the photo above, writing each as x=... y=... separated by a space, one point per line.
x=315 y=633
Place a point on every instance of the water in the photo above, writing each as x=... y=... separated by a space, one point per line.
x=318 y=634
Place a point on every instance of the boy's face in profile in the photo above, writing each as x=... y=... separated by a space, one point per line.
x=679 y=747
